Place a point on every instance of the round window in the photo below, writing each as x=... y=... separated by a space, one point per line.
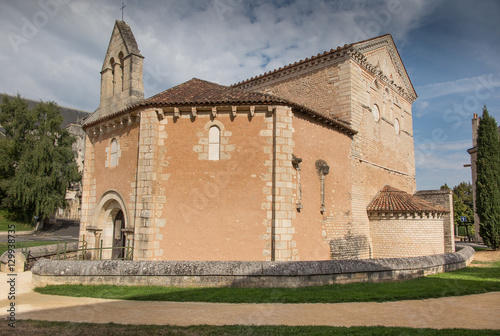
x=376 y=113
x=396 y=126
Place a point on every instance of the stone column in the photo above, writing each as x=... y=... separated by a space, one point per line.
x=145 y=246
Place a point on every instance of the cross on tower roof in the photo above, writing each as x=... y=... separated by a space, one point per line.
x=123 y=9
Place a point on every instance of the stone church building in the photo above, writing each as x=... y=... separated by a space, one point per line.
x=311 y=161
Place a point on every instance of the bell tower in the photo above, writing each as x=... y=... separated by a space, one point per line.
x=121 y=73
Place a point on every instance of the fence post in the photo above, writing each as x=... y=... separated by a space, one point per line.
x=100 y=251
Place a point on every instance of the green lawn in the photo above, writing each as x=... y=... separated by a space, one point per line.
x=470 y=280
x=6 y=224
x=72 y=329
x=4 y=246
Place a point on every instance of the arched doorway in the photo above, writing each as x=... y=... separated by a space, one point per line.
x=111 y=229
x=118 y=236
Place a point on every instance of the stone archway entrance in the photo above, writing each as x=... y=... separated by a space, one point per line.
x=113 y=230
x=118 y=236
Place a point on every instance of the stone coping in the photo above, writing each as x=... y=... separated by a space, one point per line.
x=245 y=273
x=42 y=251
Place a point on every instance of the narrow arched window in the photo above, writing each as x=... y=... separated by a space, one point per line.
x=121 y=84
x=112 y=64
x=213 y=143
x=376 y=112
x=113 y=153
x=396 y=126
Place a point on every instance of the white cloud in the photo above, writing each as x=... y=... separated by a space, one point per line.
x=224 y=41
x=442 y=162
x=483 y=85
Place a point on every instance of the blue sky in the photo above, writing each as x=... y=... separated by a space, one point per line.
x=54 y=49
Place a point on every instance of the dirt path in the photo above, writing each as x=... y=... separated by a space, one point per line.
x=487 y=256
x=472 y=312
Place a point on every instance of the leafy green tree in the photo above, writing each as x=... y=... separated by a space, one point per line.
x=445 y=187
x=488 y=180
x=463 y=205
x=36 y=158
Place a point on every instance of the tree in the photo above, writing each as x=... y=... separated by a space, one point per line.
x=488 y=180
x=445 y=187
x=36 y=158
x=463 y=205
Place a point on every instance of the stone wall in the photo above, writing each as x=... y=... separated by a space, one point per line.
x=116 y=183
x=444 y=199
x=26 y=257
x=244 y=273
x=121 y=74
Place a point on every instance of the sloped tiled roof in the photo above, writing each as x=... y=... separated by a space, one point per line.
x=390 y=199
x=201 y=92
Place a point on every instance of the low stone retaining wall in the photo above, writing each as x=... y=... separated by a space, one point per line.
x=38 y=252
x=244 y=273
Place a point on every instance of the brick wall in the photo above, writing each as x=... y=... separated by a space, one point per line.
x=395 y=235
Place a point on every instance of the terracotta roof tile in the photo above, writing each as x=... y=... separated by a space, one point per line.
x=390 y=199
x=197 y=91
x=201 y=92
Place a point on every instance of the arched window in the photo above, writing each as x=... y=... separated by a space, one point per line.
x=376 y=112
x=120 y=57
x=396 y=126
x=112 y=65
x=113 y=153
x=213 y=143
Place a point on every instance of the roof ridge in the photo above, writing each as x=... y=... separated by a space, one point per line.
x=307 y=59
x=291 y=65
x=226 y=87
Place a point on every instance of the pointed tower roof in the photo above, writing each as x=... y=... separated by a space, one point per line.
x=124 y=32
x=128 y=37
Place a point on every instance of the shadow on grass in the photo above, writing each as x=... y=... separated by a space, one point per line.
x=471 y=280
